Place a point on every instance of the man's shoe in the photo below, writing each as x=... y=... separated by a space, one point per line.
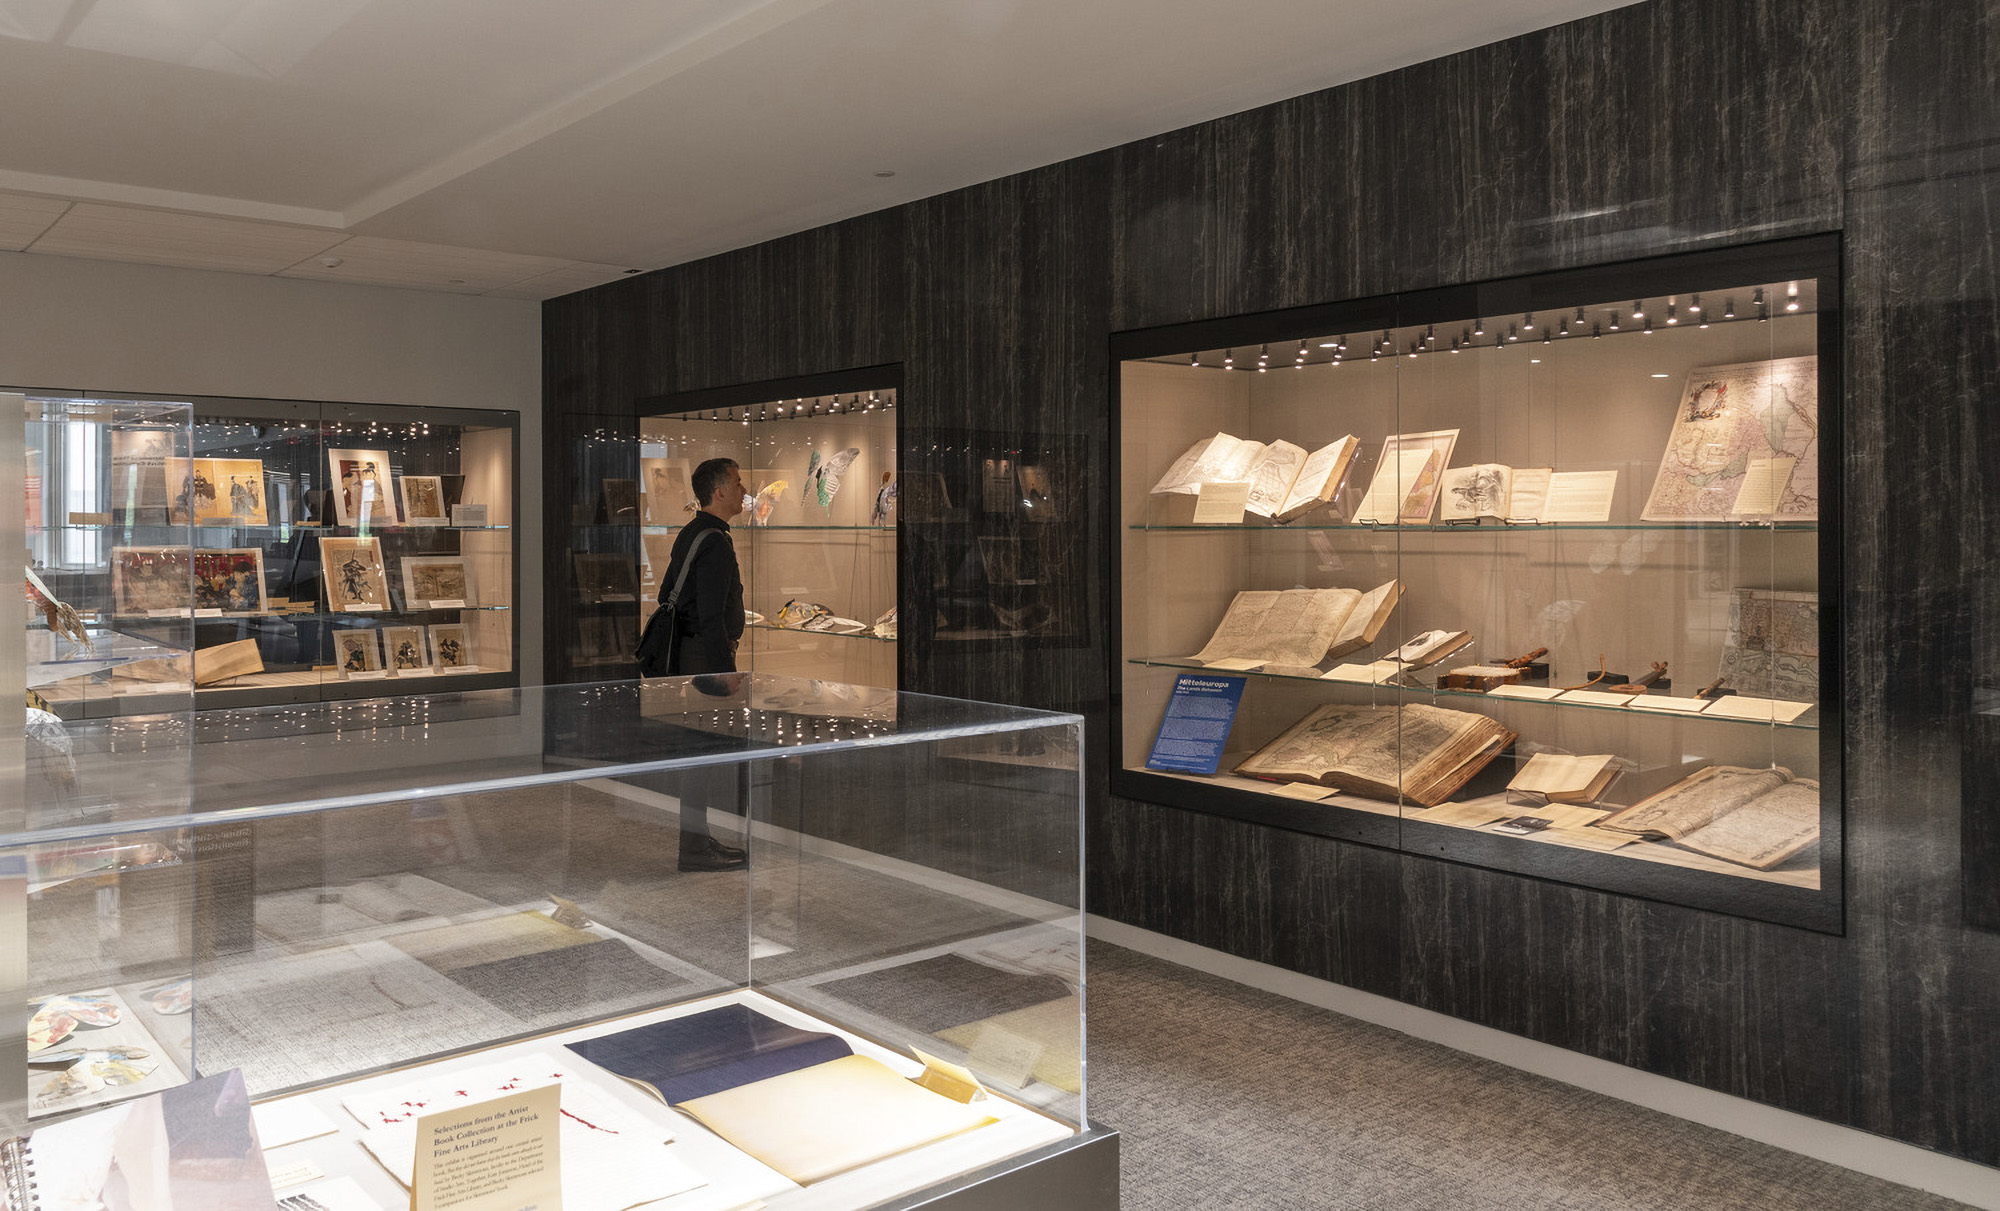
x=699 y=854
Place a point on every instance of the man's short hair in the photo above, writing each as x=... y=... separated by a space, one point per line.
x=708 y=477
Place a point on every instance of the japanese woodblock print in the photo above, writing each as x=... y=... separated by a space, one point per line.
x=352 y=570
x=361 y=487
x=355 y=651
x=428 y=578
x=404 y=649
x=229 y=580
x=149 y=579
x=423 y=500
x=449 y=647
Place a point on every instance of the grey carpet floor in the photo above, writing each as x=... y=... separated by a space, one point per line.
x=1228 y=1097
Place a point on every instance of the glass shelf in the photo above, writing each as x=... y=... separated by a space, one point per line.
x=1786 y=527
x=774 y=529
x=1808 y=722
x=315 y=612
x=212 y=524
x=868 y=635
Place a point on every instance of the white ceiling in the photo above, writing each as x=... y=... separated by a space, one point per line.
x=526 y=149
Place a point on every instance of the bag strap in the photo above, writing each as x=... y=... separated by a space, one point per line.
x=673 y=600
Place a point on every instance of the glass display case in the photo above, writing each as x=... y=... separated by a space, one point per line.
x=280 y=551
x=406 y=900
x=817 y=538
x=1538 y=574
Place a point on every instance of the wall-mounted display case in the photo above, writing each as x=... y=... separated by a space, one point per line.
x=883 y=1006
x=275 y=551
x=1538 y=574
x=817 y=538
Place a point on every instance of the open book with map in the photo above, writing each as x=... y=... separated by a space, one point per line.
x=1754 y=817
x=1297 y=628
x=1286 y=481
x=1424 y=753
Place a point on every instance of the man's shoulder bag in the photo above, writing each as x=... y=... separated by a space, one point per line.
x=656 y=642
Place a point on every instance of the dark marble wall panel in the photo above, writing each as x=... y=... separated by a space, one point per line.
x=1650 y=129
x=1306 y=903
x=825 y=299
x=1924 y=267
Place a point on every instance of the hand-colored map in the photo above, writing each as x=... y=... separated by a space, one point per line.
x=1773 y=646
x=1747 y=422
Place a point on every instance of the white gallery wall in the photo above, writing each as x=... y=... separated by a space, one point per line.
x=106 y=327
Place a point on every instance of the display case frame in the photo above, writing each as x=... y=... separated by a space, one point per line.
x=330 y=877
x=1412 y=315
x=289 y=442
x=764 y=414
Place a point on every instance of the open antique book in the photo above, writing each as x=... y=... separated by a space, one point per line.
x=1424 y=753
x=1755 y=817
x=1286 y=482
x=1297 y=627
x=1494 y=490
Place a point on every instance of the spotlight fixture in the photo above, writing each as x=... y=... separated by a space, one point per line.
x=1649 y=325
x=1792 y=297
x=1194 y=359
x=1431 y=334
x=1564 y=329
x=1415 y=347
x=1343 y=342
x=1547 y=337
x=1263 y=355
x=1729 y=309
x=1638 y=309
x=1613 y=315
x=1672 y=317
x=1302 y=351
x=1229 y=359
x=1479 y=327
x=1528 y=322
x=1757 y=297
x=1579 y=317
x=1596 y=332
x=1694 y=304
x=1512 y=334
x=1454 y=344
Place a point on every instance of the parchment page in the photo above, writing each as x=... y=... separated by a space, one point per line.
x=1528 y=494
x=1696 y=802
x=1182 y=476
x=1394 y=478
x=1763 y=487
x=1237 y=631
x=1580 y=496
x=1767 y=830
x=1315 y=481
x=1271 y=477
x=1559 y=773
x=1302 y=624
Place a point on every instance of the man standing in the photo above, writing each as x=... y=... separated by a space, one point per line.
x=709 y=625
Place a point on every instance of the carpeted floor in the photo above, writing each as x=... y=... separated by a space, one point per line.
x=1228 y=1097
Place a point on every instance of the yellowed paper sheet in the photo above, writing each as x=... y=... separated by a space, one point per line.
x=1597 y=698
x=1221 y=504
x=1668 y=704
x=1762 y=710
x=1311 y=792
x=1763 y=488
x=1365 y=674
x=1464 y=815
x=1394 y=480
x=1540 y=693
x=1580 y=496
x=827 y=1119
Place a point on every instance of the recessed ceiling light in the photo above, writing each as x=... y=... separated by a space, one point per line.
x=1659 y=376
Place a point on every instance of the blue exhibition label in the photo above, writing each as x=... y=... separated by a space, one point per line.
x=1197 y=722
